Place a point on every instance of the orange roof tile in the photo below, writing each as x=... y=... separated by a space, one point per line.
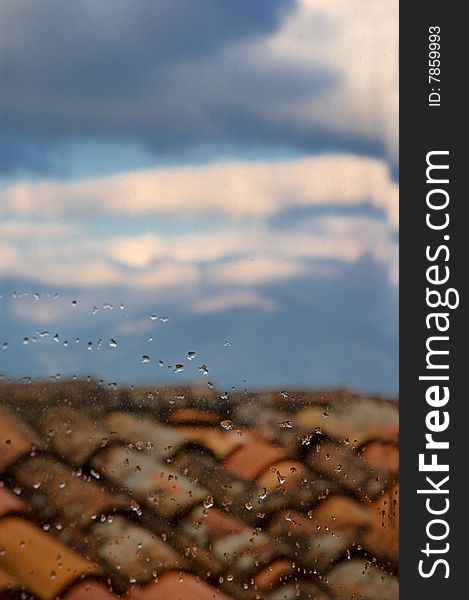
x=271 y=508
x=7 y=584
x=37 y=560
x=359 y=578
x=177 y=586
x=78 y=500
x=384 y=456
x=162 y=488
x=348 y=469
x=89 y=590
x=158 y=440
x=9 y=503
x=133 y=551
x=72 y=434
x=16 y=438
x=252 y=458
x=221 y=443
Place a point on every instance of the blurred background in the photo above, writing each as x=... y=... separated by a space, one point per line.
x=200 y=192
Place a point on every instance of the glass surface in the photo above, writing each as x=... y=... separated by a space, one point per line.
x=198 y=299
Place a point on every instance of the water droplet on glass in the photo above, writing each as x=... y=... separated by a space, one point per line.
x=191 y=355
x=224 y=396
x=208 y=502
x=135 y=507
x=74 y=302
x=25 y=341
x=325 y=415
x=4 y=345
x=248 y=505
x=263 y=494
x=203 y=369
x=145 y=359
x=90 y=346
x=95 y=310
x=107 y=306
x=113 y=343
x=43 y=333
x=227 y=424
x=56 y=338
x=153 y=317
x=281 y=478
x=286 y=424
x=178 y=368
x=227 y=344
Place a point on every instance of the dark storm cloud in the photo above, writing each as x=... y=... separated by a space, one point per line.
x=118 y=67
x=157 y=72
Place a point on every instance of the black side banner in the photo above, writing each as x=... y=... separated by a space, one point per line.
x=433 y=254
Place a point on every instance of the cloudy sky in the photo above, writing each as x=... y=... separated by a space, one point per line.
x=209 y=177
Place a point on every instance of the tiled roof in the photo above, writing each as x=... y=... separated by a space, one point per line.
x=185 y=494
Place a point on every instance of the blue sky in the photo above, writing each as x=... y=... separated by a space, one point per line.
x=228 y=167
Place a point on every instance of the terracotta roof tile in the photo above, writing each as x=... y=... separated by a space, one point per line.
x=253 y=458
x=359 y=578
x=72 y=434
x=193 y=416
x=209 y=525
x=229 y=492
x=358 y=421
x=384 y=456
x=160 y=487
x=177 y=586
x=320 y=539
x=134 y=552
x=381 y=538
x=171 y=505
x=56 y=488
x=8 y=585
x=296 y=482
x=271 y=577
x=220 y=442
x=10 y=503
x=89 y=590
x=243 y=548
x=273 y=425
x=16 y=438
x=37 y=560
x=158 y=440
x=300 y=590
x=350 y=470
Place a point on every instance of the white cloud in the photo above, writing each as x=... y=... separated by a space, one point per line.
x=257 y=270
x=27 y=230
x=247 y=256
x=233 y=189
x=357 y=41
x=242 y=299
x=137 y=252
